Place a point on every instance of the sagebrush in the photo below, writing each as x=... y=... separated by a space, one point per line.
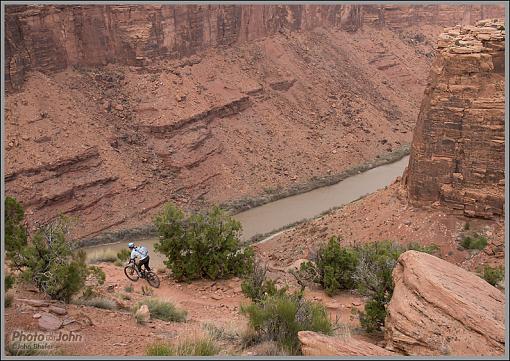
x=201 y=245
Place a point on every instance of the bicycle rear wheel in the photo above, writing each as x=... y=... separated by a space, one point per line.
x=131 y=273
x=153 y=279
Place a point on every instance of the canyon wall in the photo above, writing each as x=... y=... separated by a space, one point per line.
x=458 y=149
x=50 y=38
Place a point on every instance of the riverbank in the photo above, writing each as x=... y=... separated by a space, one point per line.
x=238 y=206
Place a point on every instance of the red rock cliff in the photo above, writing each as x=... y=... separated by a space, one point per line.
x=458 y=150
x=53 y=37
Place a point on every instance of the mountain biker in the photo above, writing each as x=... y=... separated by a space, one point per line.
x=142 y=254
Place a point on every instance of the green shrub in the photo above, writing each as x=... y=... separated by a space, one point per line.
x=162 y=310
x=159 y=349
x=106 y=256
x=99 y=302
x=332 y=267
x=8 y=300
x=201 y=245
x=16 y=234
x=281 y=316
x=367 y=268
x=49 y=261
x=9 y=280
x=189 y=347
x=129 y=288
x=123 y=255
x=493 y=275
x=372 y=318
x=256 y=286
x=474 y=241
x=97 y=273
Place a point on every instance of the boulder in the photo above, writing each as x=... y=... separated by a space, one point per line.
x=438 y=308
x=143 y=314
x=49 y=322
x=315 y=344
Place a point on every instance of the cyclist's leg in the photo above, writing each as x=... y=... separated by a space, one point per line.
x=139 y=266
x=146 y=263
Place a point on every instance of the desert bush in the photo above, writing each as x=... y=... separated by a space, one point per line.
x=281 y=316
x=98 y=302
x=9 y=280
x=221 y=333
x=123 y=255
x=159 y=349
x=49 y=261
x=474 y=241
x=106 y=256
x=366 y=268
x=201 y=245
x=97 y=273
x=162 y=310
x=129 y=288
x=16 y=235
x=256 y=286
x=332 y=267
x=188 y=347
x=372 y=318
x=493 y=275
x=8 y=300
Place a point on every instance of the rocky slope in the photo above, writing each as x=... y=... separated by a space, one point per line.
x=111 y=144
x=440 y=309
x=458 y=150
x=52 y=38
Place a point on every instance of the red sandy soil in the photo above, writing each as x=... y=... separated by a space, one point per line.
x=207 y=302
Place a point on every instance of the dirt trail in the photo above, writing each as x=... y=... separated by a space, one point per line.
x=206 y=302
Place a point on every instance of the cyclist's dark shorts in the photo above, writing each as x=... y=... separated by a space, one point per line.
x=145 y=262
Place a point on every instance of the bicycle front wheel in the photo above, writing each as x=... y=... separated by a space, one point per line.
x=131 y=273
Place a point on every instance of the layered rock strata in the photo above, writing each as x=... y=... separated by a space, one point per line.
x=51 y=38
x=458 y=150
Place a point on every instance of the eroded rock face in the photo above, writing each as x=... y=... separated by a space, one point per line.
x=315 y=344
x=438 y=308
x=458 y=150
x=51 y=38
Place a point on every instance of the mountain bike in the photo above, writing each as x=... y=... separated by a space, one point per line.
x=131 y=272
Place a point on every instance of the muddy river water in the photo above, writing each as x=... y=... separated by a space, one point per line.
x=277 y=214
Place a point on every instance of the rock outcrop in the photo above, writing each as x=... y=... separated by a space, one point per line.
x=458 y=149
x=53 y=37
x=314 y=344
x=438 y=308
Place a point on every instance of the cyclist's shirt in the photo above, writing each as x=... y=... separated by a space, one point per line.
x=140 y=252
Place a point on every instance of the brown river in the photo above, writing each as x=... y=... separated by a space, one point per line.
x=277 y=214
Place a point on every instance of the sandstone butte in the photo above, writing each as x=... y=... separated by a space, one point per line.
x=314 y=344
x=458 y=151
x=438 y=308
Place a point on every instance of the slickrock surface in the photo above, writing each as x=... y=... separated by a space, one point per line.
x=458 y=149
x=315 y=344
x=52 y=38
x=438 y=308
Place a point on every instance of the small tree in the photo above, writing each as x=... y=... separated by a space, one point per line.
x=15 y=231
x=202 y=244
x=51 y=263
